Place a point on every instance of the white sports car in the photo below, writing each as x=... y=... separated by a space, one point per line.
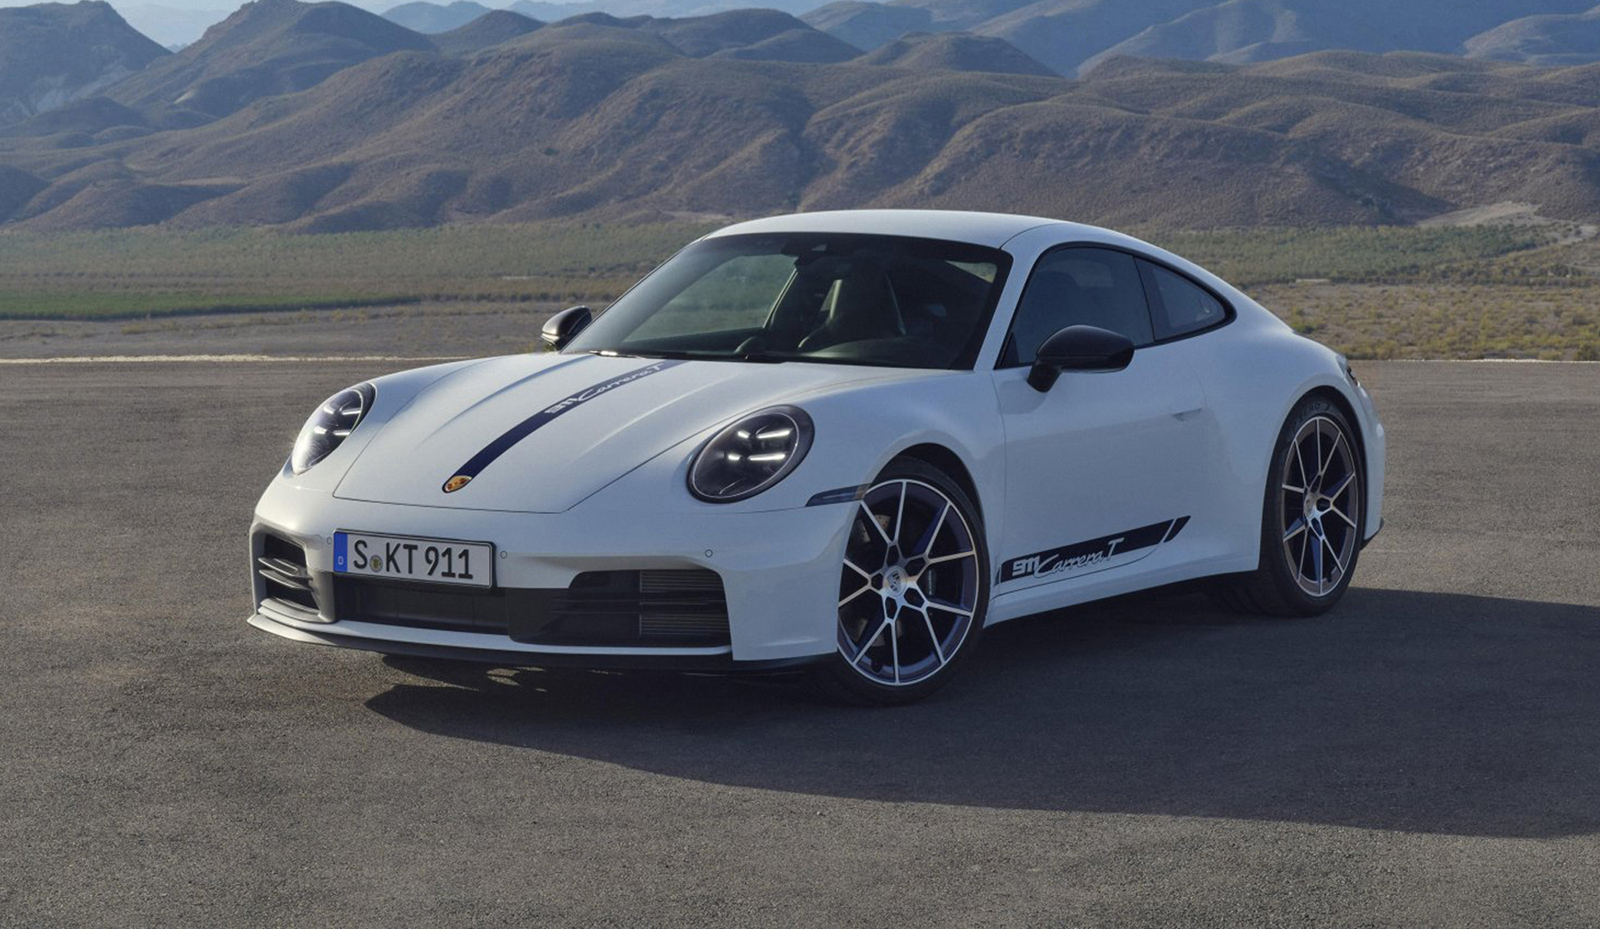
x=841 y=442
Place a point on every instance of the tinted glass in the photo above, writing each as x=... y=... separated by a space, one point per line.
x=843 y=299
x=1181 y=306
x=1079 y=287
x=737 y=294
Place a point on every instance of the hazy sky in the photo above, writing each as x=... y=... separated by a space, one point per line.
x=228 y=7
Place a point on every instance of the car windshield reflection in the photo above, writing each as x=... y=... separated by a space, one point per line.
x=843 y=299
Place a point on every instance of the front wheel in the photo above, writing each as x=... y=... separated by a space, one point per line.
x=1311 y=525
x=912 y=590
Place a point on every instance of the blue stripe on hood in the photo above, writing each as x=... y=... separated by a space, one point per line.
x=532 y=424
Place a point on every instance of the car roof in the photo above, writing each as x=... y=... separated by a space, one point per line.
x=990 y=229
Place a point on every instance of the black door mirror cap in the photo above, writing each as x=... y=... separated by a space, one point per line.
x=1079 y=348
x=560 y=329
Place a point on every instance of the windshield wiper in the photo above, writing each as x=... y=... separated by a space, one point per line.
x=758 y=357
x=772 y=358
x=673 y=356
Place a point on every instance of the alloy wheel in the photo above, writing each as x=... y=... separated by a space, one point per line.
x=910 y=584
x=1321 y=502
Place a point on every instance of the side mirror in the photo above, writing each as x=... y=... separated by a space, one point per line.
x=1079 y=348
x=559 y=329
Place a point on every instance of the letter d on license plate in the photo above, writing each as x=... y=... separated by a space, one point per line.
x=403 y=558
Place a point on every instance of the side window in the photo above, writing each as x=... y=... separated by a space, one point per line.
x=1079 y=287
x=1181 y=306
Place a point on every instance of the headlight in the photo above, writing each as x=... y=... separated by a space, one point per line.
x=328 y=427
x=751 y=455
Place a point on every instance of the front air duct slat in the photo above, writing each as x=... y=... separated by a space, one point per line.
x=285 y=568
x=282 y=564
x=283 y=580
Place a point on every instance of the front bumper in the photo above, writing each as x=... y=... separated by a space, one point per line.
x=779 y=572
x=495 y=653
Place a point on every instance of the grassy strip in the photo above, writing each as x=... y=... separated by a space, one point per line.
x=1557 y=323
x=132 y=272
x=1360 y=254
x=139 y=273
x=140 y=306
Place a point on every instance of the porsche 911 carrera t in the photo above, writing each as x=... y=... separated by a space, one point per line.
x=842 y=443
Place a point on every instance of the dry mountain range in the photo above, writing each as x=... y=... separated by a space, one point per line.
x=1074 y=36
x=325 y=117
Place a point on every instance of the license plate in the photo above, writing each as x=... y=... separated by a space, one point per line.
x=402 y=558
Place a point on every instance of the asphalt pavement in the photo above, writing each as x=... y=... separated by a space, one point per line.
x=1426 y=754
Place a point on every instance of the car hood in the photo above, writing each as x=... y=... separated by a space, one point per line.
x=540 y=433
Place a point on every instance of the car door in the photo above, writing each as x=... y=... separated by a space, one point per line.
x=1101 y=468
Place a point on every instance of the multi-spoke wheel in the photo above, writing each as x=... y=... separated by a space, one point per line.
x=1320 y=492
x=912 y=587
x=1311 y=524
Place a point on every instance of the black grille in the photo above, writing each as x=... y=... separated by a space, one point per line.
x=668 y=607
x=639 y=608
x=423 y=606
x=282 y=564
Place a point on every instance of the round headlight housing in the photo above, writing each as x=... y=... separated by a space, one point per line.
x=751 y=455
x=330 y=425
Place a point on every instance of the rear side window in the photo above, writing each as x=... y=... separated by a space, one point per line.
x=1078 y=287
x=1178 y=305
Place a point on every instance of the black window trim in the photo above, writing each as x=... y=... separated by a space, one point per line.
x=1228 y=312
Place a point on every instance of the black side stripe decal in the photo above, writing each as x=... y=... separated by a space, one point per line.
x=1083 y=555
x=534 y=423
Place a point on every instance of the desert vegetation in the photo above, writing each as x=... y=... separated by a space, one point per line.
x=1372 y=292
x=1385 y=321
x=134 y=273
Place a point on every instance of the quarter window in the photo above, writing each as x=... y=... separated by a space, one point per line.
x=1179 y=305
x=1079 y=287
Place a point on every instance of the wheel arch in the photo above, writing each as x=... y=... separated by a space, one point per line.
x=947 y=461
x=1339 y=400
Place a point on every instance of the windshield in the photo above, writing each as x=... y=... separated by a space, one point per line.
x=843 y=299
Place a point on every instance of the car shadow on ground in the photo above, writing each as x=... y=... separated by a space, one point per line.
x=1406 y=711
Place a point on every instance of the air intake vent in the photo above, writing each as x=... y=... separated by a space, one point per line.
x=682 y=605
x=282 y=564
x=600 y=608
x=667 y=608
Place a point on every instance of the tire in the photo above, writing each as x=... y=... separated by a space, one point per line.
x=910 y=614
x=1307 y=520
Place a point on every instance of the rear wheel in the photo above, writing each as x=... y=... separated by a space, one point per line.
x=1311 y=525
x=912 y=589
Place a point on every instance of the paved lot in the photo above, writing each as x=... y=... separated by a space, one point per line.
x=1427 y=754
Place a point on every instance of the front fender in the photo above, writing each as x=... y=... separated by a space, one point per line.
x=1259 y=378
x=394 y=393
x=858 y=432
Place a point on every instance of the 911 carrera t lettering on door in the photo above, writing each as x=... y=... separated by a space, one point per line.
x=1110 y=551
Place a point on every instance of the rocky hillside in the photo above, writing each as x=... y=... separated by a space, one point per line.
x=433 y=17
x=322 y=116
x=268 y=47
x=637 y=118
x=493 y=28
x=955 y=51
x=1072 y=36
x=55 y=53
x=1550 y=39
